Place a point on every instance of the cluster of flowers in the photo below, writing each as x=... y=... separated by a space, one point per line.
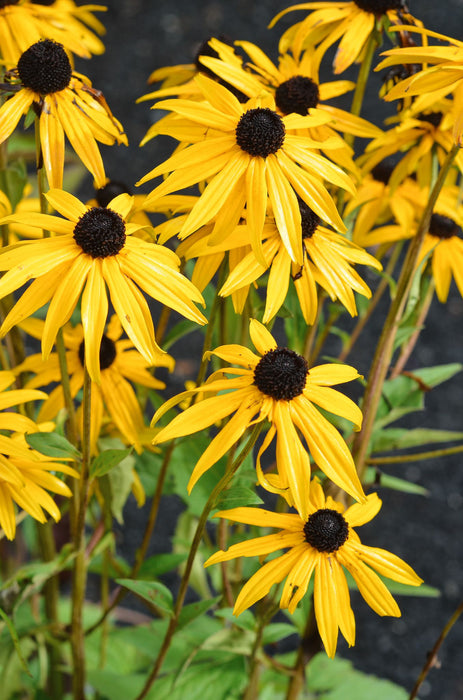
x=278 y=181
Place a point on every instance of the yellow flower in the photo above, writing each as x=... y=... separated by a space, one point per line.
x=328 y=259
x=66 y=104
x=383 y=202
x=352 y=22
x=24 y=473
x=247 y=154
x=22 y=23
x=295 y=85
x=276 y=385
x=93 y=248
x=322 y=543
x=444 y=242
x=119 y=362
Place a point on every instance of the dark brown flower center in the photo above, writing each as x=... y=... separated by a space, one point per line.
x=107 y=352
x=43 y=2
x=298 y=94
x=45 y=67
x=443 y=226
x=433 y=118
x=309 y=219
x=100 y=232
x=4 y=3
x=281 y=374
x=260 y=132
x=326 y=530
x=107 y=193
x=379 y=7
x=383 y=171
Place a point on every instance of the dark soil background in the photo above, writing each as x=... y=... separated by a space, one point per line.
x=146 y=34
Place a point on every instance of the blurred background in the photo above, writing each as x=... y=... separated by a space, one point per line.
x=143 y=35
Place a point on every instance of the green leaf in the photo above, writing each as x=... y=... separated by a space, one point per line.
x=245 y=621
x=238 y=496
x=402 y=438
x=13 y=179
x=107 y=460
x=53 y=445
x=337 y=679
x=275 y=632
x=378 y=478
x=231 y=639
x=116 y=486
x=194 y=610
x=160 y=564
x=153 y=591
x=180 y=330
x=14 y=636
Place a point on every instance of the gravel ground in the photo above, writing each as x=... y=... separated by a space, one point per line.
x=143 y=35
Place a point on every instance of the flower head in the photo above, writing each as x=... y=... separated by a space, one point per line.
x=277 y=385
x=25 y=474
x=321 y=543
x=94 y=248
x=249 y=157
x=114 y=397
x=61 y=21
x=66 y=104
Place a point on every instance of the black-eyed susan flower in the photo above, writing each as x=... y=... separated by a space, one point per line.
x=25 y=474
x=22 y=23
x=120 y=364
x=93 y=248
x=351 y=22
x=248 y=156
x=66 y=104
x=442 y=74
x=276 y=385
x=444 y=243
x=385 y=212
x=321 y=545
x=295 y=85
x=328 y=262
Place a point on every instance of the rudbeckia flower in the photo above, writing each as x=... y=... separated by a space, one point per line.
x=328 y=259
x=248 y=155
x=321 y=544
x=93 y=248
x=445 y=245
x=295 y=85
x=352 y=22
x=115 y=397
x=25 y=474
x=66 y=104
x=22 y=23
x=276 y=385
x=385 y=212
x=442 y=74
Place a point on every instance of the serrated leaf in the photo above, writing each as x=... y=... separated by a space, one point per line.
x=231 y=639
x=53 y=445
x=194 y=610
x=238 y=496
x=116 y=486
x=152 y=591
x=245 y=621
x=107 y=460
x=275 y=632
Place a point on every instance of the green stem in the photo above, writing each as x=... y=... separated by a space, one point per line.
x=210 y=326
x=432 y=655
x=385 y=347
x=252 y=691
x=223 y=483
x=362 y=80
x=309 y=645
x=410 y=345
x=51 y=593
x=79 y=578
x=417 y=457
x=374 y=301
